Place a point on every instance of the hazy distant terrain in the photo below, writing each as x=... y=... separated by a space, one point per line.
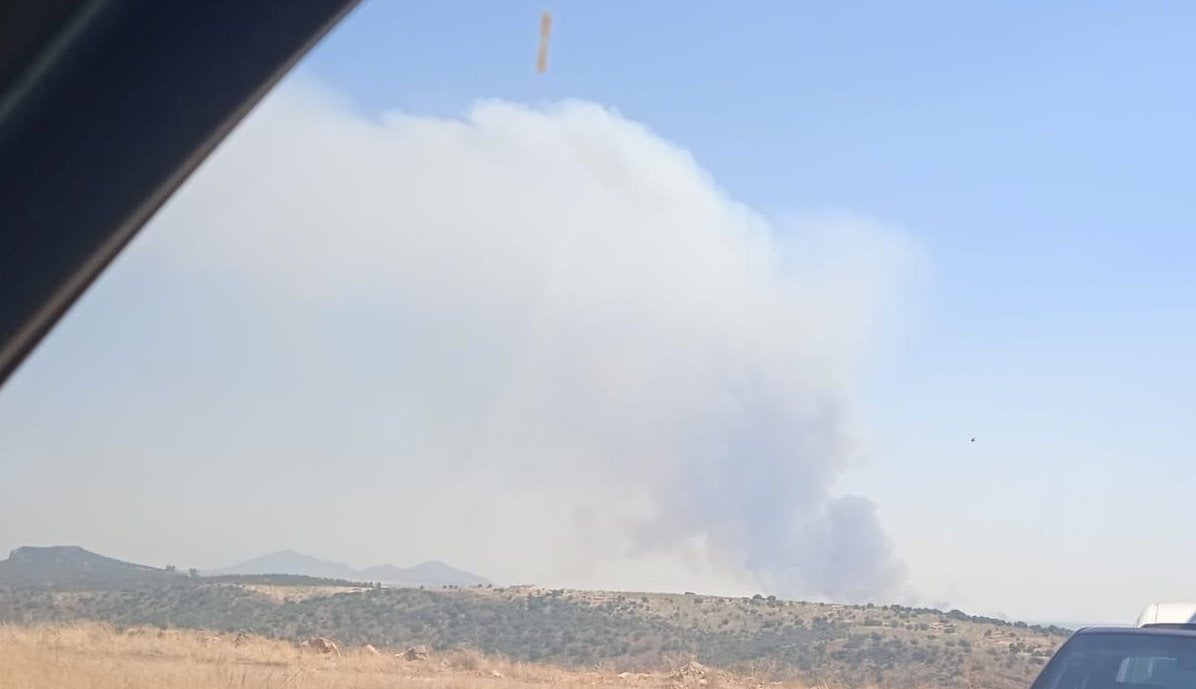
x=851 y=646
x=64 y=567
x=290 y=562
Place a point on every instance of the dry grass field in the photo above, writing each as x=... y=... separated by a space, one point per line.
x=95 y=656
x=528 y=635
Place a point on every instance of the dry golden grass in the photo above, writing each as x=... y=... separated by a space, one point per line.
x=93 y=656
x=298 y=593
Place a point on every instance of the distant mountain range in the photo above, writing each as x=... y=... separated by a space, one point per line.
x=430 y=574
x=72 y=567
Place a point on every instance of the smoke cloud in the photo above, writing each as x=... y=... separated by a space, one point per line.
x=548 y=329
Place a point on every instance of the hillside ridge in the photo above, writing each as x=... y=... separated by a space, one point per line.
x=883 y=646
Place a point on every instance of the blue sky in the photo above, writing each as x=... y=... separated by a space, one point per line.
x=1034 y=160
x=1039 y=153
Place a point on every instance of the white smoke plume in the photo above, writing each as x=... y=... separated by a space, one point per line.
x=577 y=338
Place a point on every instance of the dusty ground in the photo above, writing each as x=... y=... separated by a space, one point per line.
x=91 y=656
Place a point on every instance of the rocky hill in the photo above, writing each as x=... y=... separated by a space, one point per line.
x=68 y=567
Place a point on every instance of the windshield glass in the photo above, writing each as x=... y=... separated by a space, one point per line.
x=842 y=344
x=1143 y=661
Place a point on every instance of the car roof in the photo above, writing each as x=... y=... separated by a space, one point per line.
x=1159 y=630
